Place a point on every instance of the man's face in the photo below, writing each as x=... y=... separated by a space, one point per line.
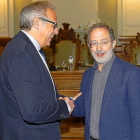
x=101 y=53
x=47 y=30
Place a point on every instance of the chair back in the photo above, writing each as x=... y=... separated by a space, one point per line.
x=86 y=57
x=63 y=50
x=48 y=51
x=66 y=44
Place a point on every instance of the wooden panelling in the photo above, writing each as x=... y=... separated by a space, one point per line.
x=128 y=43
x=72 y=128
x=3 y=43
x=72 y=138
x=67 y=82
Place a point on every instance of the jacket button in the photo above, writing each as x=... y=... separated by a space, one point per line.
x=62 y=116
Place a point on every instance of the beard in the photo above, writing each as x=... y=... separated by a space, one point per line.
x=101 y=60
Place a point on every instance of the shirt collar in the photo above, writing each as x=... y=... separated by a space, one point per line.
x=33 y=40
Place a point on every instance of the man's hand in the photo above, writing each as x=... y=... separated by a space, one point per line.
x=69 y=101
x=77 y=95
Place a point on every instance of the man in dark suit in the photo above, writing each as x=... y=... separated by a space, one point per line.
x=110 y=99
x=30 y=107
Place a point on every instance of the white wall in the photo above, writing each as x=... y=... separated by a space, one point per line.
x=19 y=4
x=76 y=12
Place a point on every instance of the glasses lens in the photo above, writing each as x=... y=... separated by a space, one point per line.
x=93 y=44
x=104 y=43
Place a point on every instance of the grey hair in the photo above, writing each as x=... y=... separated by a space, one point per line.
x=100 y=25
x=33 y=10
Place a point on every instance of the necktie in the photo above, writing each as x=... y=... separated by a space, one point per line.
x=42 y=53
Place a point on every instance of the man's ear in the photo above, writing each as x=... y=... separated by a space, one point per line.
x=36 y=23
x=114 y=44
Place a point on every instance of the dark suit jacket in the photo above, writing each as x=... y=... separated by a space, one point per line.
x=120 y=111
x=29 y=109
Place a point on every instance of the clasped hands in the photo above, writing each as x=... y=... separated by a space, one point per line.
x=71 y=102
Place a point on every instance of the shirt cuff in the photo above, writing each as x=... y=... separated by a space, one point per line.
x=69 y=108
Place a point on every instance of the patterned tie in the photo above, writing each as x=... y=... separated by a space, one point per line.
x=42 y=53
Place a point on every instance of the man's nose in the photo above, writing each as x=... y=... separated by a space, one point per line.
x=56 y=31
x=99 y=47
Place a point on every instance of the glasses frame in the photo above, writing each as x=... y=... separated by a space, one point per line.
x=100 y=43
x=54 y=23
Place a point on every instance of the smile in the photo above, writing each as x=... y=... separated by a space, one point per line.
x=99 y=54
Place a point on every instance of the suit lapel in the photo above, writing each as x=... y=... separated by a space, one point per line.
x=48 y=76
x=111 y=82
x=88 y=92
x=43 y=65
x=24 y=37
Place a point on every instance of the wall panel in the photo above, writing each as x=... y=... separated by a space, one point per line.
x=3 y=18
x=6 y=18
x=128 y=20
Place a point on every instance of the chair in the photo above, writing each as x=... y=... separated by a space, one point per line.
x=66 y=44
x=86 y=58
x=136 y=51
x=122 y=53
x=3 y=43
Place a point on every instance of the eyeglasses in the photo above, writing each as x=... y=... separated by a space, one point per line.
x=103 y=43
x=54 y=23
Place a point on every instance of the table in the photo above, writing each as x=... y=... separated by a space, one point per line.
x=67 y=82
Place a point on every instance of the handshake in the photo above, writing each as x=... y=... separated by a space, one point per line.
x=70 y=101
